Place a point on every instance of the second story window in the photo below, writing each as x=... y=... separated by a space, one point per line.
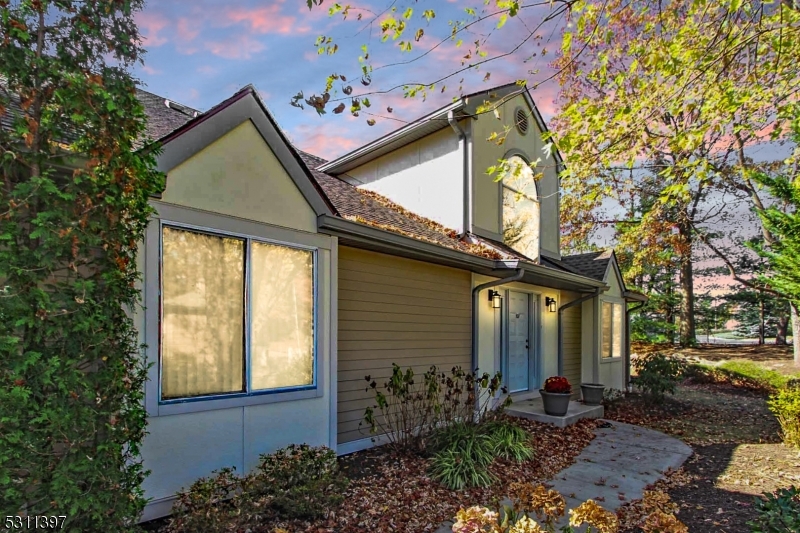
x=521 y=208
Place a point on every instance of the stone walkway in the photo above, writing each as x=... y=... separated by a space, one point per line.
x=616 y=467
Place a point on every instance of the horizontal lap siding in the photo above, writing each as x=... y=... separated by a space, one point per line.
x=571 y=331
x=395 y=310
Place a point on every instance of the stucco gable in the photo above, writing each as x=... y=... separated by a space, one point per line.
x=199 y=133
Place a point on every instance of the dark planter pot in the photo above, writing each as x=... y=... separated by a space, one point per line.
x=555 y=403
x=592 y=393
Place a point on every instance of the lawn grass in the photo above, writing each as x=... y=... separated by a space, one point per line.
x=756 y=372
x=746 y=374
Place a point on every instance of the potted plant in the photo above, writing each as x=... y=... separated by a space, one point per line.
x=555 y=395
x=592 y=393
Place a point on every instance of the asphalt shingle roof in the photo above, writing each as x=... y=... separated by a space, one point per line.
x=591 y=264
x=375 y=210
x=161 y=120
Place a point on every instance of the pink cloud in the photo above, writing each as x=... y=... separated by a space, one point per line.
x=187 y=29
x=328 y=146
x=150 y=70
x=239 y=47
x=206 y=69
x=310 y=55
x=150 y=24
x=264 y=19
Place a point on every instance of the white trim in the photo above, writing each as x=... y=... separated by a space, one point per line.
x=158 y=508
x=361 y=444
x=333 y=328
x=332 y=166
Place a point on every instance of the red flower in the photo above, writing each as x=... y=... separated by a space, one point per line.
x=557 y=384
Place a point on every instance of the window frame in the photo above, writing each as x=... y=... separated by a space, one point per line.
x=613 y=302
x=216 y=223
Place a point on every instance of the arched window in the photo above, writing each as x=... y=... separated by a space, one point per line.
x=521 y=208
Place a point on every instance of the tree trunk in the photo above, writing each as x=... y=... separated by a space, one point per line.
x=761 y=320
x=795 y=332
x=688 y=330
x=783 y=327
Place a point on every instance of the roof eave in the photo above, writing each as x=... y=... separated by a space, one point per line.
x=633 y=296
x=342 y=164
x=376 y=239
x=379 y=240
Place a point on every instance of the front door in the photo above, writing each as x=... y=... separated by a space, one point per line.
x=519 y=361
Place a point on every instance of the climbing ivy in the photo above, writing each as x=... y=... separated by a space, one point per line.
x=73 y=207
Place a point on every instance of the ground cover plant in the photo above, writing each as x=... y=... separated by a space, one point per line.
x=778 y=512
x=463 y=451
x=725 y=417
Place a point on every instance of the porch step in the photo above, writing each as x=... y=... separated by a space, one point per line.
x=534 y=410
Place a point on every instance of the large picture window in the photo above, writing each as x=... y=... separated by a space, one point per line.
x=613 y=324
x=237 y=315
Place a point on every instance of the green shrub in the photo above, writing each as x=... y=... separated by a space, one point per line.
x=295 y=482
x=786 y=405
x=209 y=505
x=657 y=375
x=778 y=512
x=463 y=451
x=301 y=481
x=408 y=408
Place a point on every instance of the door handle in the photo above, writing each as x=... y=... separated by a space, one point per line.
x=526 y=344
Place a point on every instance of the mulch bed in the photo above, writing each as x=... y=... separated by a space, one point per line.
x=391 y=492
x=738 y=455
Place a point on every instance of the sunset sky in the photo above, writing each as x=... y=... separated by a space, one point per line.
x=201 y=52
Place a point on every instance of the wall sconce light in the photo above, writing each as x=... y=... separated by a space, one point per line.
x=550 y=303
x=495 y=299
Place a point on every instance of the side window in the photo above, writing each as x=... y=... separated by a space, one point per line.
x=613 y=322
x=520 y=208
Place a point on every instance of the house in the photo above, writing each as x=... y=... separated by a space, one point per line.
x=274 y=281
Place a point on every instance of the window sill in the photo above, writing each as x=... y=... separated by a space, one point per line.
x=196 y=405
x=611 y=359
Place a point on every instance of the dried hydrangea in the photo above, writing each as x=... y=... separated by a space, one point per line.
x=538 y=499
x=526 y=525
x=589 y=512
x=661 y=522
x=474 y=520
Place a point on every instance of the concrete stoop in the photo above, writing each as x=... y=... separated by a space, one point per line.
x=534 y=410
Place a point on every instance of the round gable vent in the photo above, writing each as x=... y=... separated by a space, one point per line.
x=521 y=120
